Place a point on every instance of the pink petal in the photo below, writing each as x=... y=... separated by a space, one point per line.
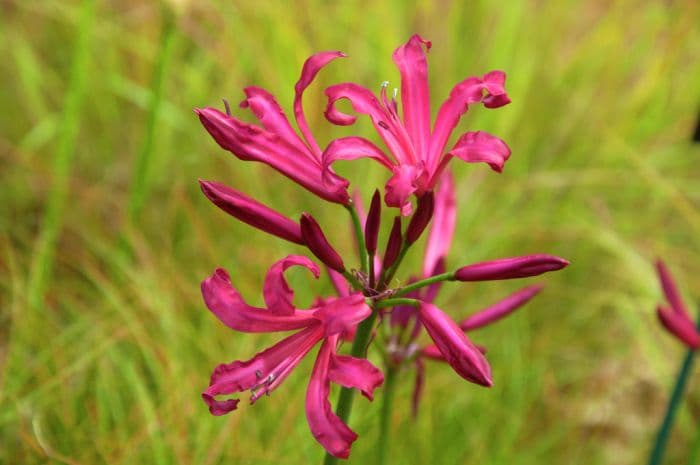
x=329 y=430
x=261 y=374
x=479 y=146
x=400 y=187
x=339 y=282
x=253 y=143
x=415 y=96
x=500 y=309
x=670 y=289
x=343 y=314
x=463 y=356
x=443 y=225
x=680 y=326
x=510 y=268
x=276 y=291
x=365 y=102
x=226 y=303
x=352 y=148
x=356 y=373
x=467 y=92
x=312 y=66
x=271 y=116
x=251 y=212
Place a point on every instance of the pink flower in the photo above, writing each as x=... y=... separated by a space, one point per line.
x=275 y=142
x=676 y=319
x=418 y=154
x=263 y=373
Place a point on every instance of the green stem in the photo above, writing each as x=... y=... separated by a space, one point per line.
x=694 y=455
x=345 y=398
x=386 y=278
x=352 y=280
x=386 y=303
x=425 y=282
x=359 y=236
x=387 y=404
x=665 y=429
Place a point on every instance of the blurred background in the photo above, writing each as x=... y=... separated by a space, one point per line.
x=105 y=344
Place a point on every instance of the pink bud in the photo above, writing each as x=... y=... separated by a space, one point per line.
x=372 y=223
x=318 y=244
x=510 y=268
x=421 y=218
x=393 y=245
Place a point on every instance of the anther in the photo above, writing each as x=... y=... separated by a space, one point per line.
x=258 y=374
x=396 y=92
x=385 y=84
x=383 y=124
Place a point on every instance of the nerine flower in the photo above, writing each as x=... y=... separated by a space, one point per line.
x=417 y=153
x=325 y=322
x=675 y=319
x=275 y=142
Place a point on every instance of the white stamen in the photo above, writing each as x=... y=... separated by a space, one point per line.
x=385 y=83
x=396 y=92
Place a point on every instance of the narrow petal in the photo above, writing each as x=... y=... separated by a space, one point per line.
x=467 y=92
x=253 y=143
x=261 y=374
x=271 y=116
x=224 y=301
x=312 y=66
x=341 y=315
x=463 y=356
x=339 y=282
x=680 y=326
x=500 y=309
x=479 y=146
x=314 y=238
x=329 y=430
x=670 y=289
x=415 y=95
x=251 y=212
x=400 y=187
x=356 y=373
x=510 y=268
x=276 y=291
x=443 y=226
x=352 y=148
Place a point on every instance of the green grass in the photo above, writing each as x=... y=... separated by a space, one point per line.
x=104 y=350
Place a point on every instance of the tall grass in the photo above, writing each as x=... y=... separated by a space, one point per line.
x=103 y=358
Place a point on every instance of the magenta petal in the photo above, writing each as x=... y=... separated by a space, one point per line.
x=400 y=187
x=463 y=356
x=341 y=315
x=680 y=326
x=261 y=374
x=339 y=282
x=226 y=303
x=495 y=82
x=329 y=430
x=356 y=373
x=352 y=148
x=670 y=289
x=510 y=268
x=500 y=309
x=251 y=212
x=479 y=146
x=443 y=225
x=276 y=291
x=415 y=95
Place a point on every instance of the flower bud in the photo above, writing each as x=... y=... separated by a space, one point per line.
x=421 y=218
x=393 y=245
x=510 y=268
x=318 y=244
x=372 y=223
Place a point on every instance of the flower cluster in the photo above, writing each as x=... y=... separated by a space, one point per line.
x=420 y=187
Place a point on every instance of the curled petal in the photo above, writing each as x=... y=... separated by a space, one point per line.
x=670 y=290
x=415 y=95
x=400 y=187
x=276 y=291
x=463 y=356
x=341 y=315
x=271 y=116
x=329 y=430
x=443 y=226
x=500 y=309
x=510 y=268
x=467 y=92
x=479 y=146
x=680 y=326
x=226 y=303
x=251 y=212
x=261 y=374
x=253 y=143
x=356 y=373
x=352 y=148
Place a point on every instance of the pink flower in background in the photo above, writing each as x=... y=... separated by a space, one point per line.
x=676 y=319
x=417 y=154
x=265 y=371
x=276 y=143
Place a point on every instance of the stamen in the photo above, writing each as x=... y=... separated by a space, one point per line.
x=258 y=374
x=227 y=106
x=383 y=124
x=384 y=84
x=396 y=92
